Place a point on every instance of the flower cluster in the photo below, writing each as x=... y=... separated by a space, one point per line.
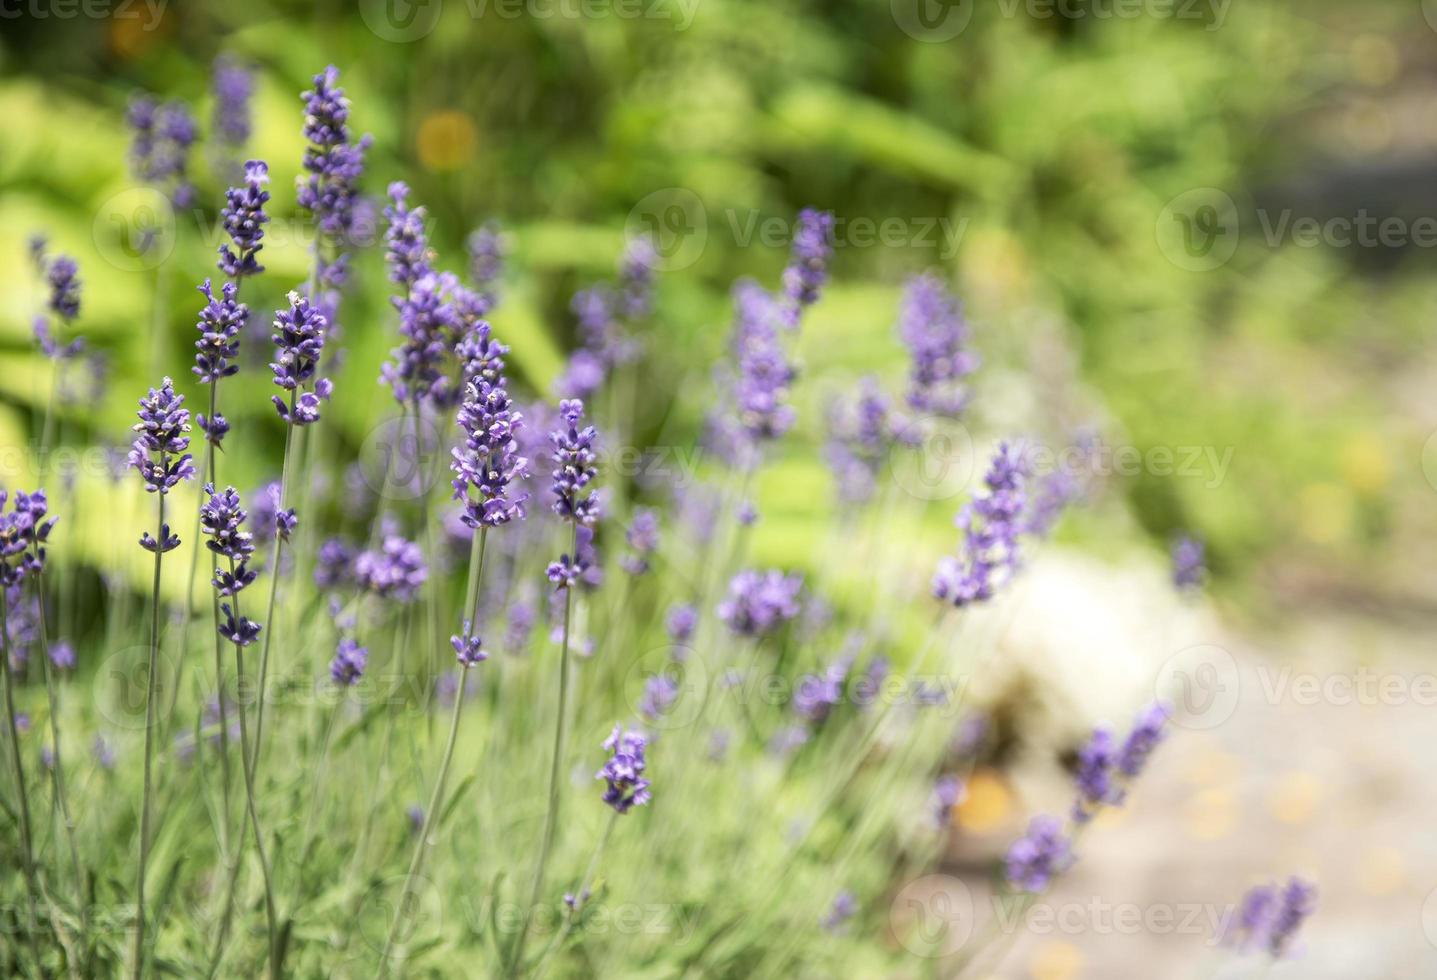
x=764 y=372
x=931 y=326
x=948 y=792
x=406 y=244
x=574 y=458
x=680 y=622
x=1042 y=853
x=1270 y=918
x=428 y=318
x=244 y=220
x=334 y=164
x=158 y=452
x=233 y=84
x=660 y=694
x=159 y=153
x=758 y=603
x=222 y=520
x=1189 y=563
x=63 y=278
x=642 y=536
x=1104 y=768
x=468 y=648
x=488 y=460
x=486 y=264
x=807 y=269
x=349 y=662
x=817 y=695
x=219 y=326
x=624 y=771
x=860 y=433
x=299 y=341
x=990 y=524
x=395 y=570
x=23 y=533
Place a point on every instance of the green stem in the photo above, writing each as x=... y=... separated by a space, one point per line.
x=273 y=588
x=436 y=798
x=137 y=967
x=58 y=770
x=551 y=816
x=27 y=848
x=580 y=897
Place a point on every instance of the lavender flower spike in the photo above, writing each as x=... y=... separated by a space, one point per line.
x=931 y=326
x=334 y=164
x=1146 y=734
x=1299 y=901
x=233 y=84
x=759 y=603
x=63 y=278
x=1189 y=565
x=990 y=523
x=1096 y=787
x=222 y=520
x=406 y=244
x=162 y=429
x=488 y=460
x=349 y=662
x=244 y=220
x=1037 y=857
x=299 y=341
x=624 y=772
x=808 y=266
x=574 y=470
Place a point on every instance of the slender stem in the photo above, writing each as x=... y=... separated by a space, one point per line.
x=580 y=897
x=58 y=770
x=436 y=798
x=137 y=967
x=27 y=848
x=248 y=763
x=551 y=815
x=273 y=586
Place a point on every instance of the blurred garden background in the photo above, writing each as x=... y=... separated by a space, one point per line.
x=1153 y=212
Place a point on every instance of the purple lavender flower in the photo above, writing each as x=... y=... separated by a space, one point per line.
x=574 y=470
x=759 y=603
x=642 y=536
x=845 y=907
x=1096 y=787
x=396 y=570
x=931 y=325
x=63 y=277
x=636 y=277
x=233 y=84
x=158 y=452
x=486 y=263
x=1053 y=494
x=62 y=655
x=349 y=662
x=624 y=772
x=299 y=341
x=159 y=153
x=1255 y=917
x=244 y=220
x=807 y=269
x=334 y=164
x=948 y=792
x=1146 y=734
x=427 y=319
x=1299 y=901
x=219 y=326
x=406 y=243
x=468 y=647
x=817 y=695
x=660 y=693
x=334 y=568
x=990 y=526
x=1035 y=858
x=23 y=533
x=681 y=622
x=583 y=375
x=764 y=372
x=1189 y=565
x=104 y=753
x=488 y=460
x=860 y=433
x=222 y=520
